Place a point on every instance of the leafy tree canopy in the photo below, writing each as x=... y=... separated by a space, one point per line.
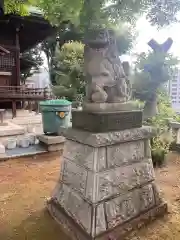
x=31 y=61
x=69 y=70
x=18 y=6
x=90 y=12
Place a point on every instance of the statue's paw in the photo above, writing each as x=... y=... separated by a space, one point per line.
x=99 y=97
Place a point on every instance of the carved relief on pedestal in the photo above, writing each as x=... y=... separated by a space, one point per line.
x=123 y=179
x=75 y=176
x=121 y=209
x=125 y=153
x=85 y=156
x=80 y=154
x=100 y=219
x=128 y=206
x=146 y=197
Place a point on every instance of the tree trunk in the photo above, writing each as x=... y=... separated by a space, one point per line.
x=150 y=109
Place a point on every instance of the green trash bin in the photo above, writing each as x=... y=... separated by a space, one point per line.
x=56 y=114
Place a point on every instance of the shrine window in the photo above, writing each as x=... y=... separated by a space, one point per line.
x=7 y=61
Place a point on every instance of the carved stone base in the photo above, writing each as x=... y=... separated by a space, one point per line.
x=72 y=229
x=106 y=185
x=109 y=107
x=104 y=121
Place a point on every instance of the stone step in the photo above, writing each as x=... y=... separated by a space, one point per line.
x=37 y=119
x=19 y=114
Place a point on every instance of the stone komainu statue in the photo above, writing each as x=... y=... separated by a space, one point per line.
x=106 y=79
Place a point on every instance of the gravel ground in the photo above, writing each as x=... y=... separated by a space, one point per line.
x=26 y=183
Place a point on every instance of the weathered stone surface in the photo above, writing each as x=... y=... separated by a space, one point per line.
x=109 y=107
x=99 y=122
x=121 y=231
x=80 y=154
x=147 y=199
x=125 y=153
x=68 y=224
x=147 y=148
x=157 y=195
x=49 y=140
x=106 y=79
x=121 y=209
x=75 y=206
x=80 y=210
x=100 y=220
x=123 y=179
x=98 y=186
x=109 y=138
x=84 y=155
x=75 y=176
x=106 y=185
x=74 y=232
x=91 y=187
x=62 y=193
x=55 y=147
x=126 y=207
x=100 y=159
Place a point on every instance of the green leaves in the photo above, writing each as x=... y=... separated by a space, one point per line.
x=91 y=13
x=58 y=11
x=17 y=6
x=69 y=70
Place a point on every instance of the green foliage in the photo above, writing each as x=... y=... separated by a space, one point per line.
x=146 y=84
x=69 y=71
x=165 y=112
x=17 y=6
x=99 y=12
x=125 y=36
x=33 y=61
x=58 y=11
x=160 y=144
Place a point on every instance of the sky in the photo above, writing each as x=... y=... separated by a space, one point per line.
x=146 y=32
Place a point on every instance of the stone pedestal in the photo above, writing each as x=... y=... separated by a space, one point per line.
x=106 y=121
x=52 y=143
x=107 y=184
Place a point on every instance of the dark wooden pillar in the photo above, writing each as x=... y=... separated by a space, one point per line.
x=17 y=64
x=1 y=7
x=17 y=58
x=13 y=109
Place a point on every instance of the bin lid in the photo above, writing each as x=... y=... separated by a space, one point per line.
x=55 y=102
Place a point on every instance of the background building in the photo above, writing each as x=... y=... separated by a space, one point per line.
x=174 y=89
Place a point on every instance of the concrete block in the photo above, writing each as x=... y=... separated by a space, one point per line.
x=11 y=130
x=55 y=147
x=49 y=140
